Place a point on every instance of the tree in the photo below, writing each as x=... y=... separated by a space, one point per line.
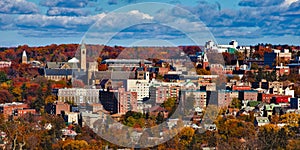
x=236 y=103
x=272 y=137
x=3 y=77
x=160 y=118
x=254 y=66
x=186 y=135
x=5 y=96
x=75 y=145
x=292 y=119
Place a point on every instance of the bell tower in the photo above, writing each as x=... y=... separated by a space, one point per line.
x=83 y=57
x=24 y=58
x=205 y=63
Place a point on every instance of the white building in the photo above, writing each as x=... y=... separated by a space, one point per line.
x=78 y=95
x=139 y=86
x=224 y=48
x=288 y=91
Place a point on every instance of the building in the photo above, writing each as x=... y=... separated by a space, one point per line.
x=265 y=98
x=225 y=97
x=5 y=64
x=24 y=58
x=82 y=59
x=290 y=92
x=118 y=101
x=194 y=98
x=159 y=94
x=141 y=87
x=261 y=121
x=57 y=108
x=94 y=108
x=127 y=101
x=282 y=70
x=230 y=48
x=119 y=64
x=14 y=109
x=284 y=55
x=294 y=68
x=89 y=119
x=277 y=99
x=270 y=59
x=295 y=103
x=240 y=88
x=71 y=117
x=78 y=95
x=58 y=74
x=275 y=87
x=21 y=112
x=249 y=95
x=109 y=101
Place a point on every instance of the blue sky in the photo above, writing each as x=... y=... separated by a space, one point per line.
x=43 y=22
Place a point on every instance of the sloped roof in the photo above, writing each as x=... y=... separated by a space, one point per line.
x=60 y=72
x=73 y=60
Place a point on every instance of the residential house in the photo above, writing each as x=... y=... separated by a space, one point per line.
x=261 y=121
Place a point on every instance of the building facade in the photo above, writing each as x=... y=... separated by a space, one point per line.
x=78 y=95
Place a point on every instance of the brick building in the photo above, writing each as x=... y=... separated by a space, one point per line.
x=250 y=95
x=265 y=98
x=57 y=107
x=118 y=101
x=15 y=109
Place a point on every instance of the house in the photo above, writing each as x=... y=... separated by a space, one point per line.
x=261 y=121
x=68 y=133
x=48 y=126
x=71 y=117
x=155 y=110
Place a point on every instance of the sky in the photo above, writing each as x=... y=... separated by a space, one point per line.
x=130 y=22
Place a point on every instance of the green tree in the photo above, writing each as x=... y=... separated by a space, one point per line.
x=3 y=77
x=160 y=118
x=236 y=103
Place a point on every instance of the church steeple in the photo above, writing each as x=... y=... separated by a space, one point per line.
x=83 y=57
x=24 y=57
x=205 y=61
x=237 y=67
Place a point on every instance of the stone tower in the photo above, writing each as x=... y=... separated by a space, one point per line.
x=24 y=58
x=83 y=57
x=205 y=61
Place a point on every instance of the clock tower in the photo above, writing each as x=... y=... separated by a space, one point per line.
x=83 y=57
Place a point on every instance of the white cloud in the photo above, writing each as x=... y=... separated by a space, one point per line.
x=58 y=11
x=42 y=21
x=64 y=3
x=288 y=2
x=17 y=7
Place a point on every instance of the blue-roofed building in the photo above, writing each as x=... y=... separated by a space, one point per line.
x=58 y=74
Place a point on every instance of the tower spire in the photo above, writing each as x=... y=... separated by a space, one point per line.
x=24 y=57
